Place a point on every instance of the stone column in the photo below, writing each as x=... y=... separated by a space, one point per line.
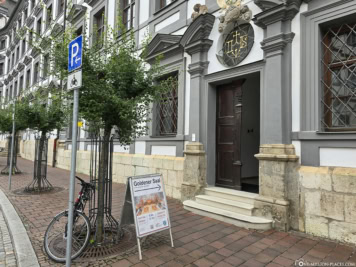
x=194 y=173
x=278 y=180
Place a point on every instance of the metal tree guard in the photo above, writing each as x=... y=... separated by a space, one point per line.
x=111 y=229
x=15 y=169
x=40 y=182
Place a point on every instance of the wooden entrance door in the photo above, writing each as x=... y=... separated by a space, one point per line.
x=228 y=135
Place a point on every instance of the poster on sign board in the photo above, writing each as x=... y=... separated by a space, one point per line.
x=149 y=204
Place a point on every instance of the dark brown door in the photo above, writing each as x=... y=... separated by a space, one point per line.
x=228 y=135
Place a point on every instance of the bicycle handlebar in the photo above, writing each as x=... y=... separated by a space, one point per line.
x=84 y=182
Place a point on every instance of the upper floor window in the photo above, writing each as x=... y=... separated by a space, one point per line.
x=79 y=31
x=30 y=37
x=100 y=25
x=23 y=47
x=2 y=68
x=36 y=73
x=17 y=53
x=60 y=6
x=49 y=16
x=3 y=44
x=33 y=3
x=129 y=14
x=39 y=26
x=15 y=90
x=28 y=78
x=163 y=3
x=25 y=13
x=167 y=108
x=338 y=61
x=21 y=85
x=45 y=66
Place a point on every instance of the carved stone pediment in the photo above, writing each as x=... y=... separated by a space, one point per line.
x=30 y=21
x=76 y=12
x=91 y=2
x=14 y=73
x=27 y=60
x=10 y=77
x=20 y=67
x=161 y=43
x=6 y=81
x=38 y=9
x=45 y=43
x=57 y=29
x=35 y=52
x=8 y=52
x=267 y=4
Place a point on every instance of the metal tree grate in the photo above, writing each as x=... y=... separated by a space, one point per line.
x=338 y=81
x=15 y=169
x=40 y=182
x=167 y=109
x=111 y=228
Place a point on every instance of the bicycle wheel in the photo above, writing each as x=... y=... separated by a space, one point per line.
x=55 y=240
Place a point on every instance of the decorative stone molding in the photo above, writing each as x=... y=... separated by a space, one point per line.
x=2 y=57
x=76 y=12
x=194 y=177
x=27 y=60
x=45 y=43
x=30 y=21
x=163 y=44
x=20 y=67
x=8 y=52
x=57 y=30
x=38 y=9
x=6 y=81
x=91 y=2
x=35 y=52
x=282 y=12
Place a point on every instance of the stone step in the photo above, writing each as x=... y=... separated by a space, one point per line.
x=231 y=194
x=226 y=204
x=237 y=219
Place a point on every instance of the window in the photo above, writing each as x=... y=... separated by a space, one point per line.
x=338 y=61
x=17 y=53
x=49 y=16
x=12 y=60
x=7 y=95
x=23 y=47
x=21 y=85
x=45 y=66
x=163 y=3
x=10 y=96
x=8 y=65
x=35 y=73
x=30 y=37
x=129 y=14
x=39 y=26
x=28 y=78
x=167 y=108
x=33 y=3
x=3 y=44
x=25 y=13
x=2 y=68
x=15 y=90
x=79 y=31
x=100 y=26
x=60 y=7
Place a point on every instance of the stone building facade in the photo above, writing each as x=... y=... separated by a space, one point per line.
x=258 y=131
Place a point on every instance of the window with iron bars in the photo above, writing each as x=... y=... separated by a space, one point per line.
x=167 y=108
x=338 y=62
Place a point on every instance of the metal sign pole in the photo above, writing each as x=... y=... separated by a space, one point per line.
x=72 y=178
x=12 y=146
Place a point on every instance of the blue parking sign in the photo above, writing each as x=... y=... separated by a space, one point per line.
x=75 y=54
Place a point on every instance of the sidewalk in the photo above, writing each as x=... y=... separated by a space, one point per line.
x=199 y=241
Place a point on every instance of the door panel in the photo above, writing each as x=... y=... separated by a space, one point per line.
x=228 y=135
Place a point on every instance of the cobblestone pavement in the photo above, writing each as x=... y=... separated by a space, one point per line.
x=199 y=241
x=7 y=253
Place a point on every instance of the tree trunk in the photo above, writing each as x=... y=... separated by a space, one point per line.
x=103 y=176
x=39 y=161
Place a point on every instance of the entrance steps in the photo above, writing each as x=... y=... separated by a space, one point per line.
x=3 y=152
x=228 y=205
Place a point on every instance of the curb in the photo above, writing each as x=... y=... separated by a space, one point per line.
x=25 y=255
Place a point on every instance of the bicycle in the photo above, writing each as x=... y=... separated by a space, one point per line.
x=55 y=239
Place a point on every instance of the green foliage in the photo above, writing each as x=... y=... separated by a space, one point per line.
x=5 y=120
x=42 y=111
